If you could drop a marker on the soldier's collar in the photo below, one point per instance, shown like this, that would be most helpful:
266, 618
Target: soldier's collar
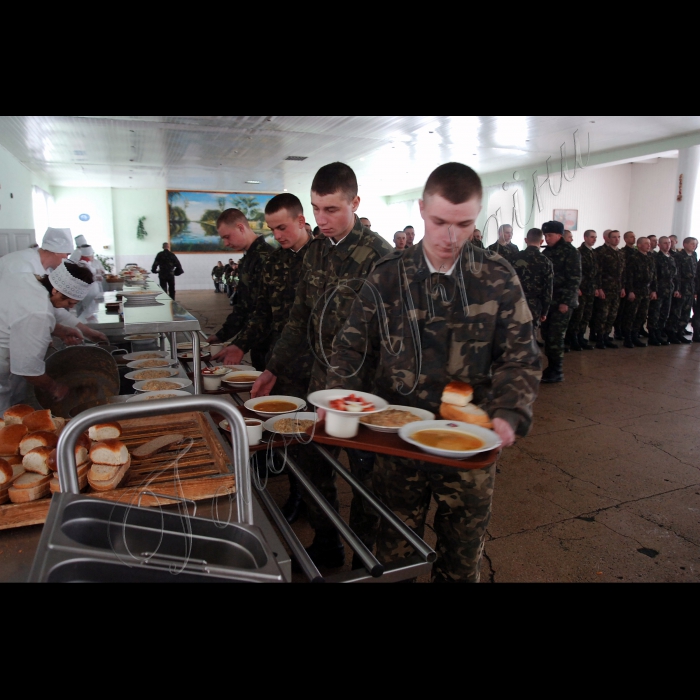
347, 245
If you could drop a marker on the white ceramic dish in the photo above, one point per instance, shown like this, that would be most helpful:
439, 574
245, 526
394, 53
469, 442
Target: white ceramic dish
211, 382
133, 356
134, 378
188, 346
239, 368
174, 384
344, 424
418, 412
147, 394
269, 424
138, 364
490, 439
230, 378
189, 355
250, 404
143, 336
139, 293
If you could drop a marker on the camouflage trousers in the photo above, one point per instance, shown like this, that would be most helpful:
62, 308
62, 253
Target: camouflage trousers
659, 309
605, 312
463, 512
554, 330
680, 313
581, 316
634, 313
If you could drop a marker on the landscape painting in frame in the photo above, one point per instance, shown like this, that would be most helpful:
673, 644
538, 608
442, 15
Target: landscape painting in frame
192, 218
568, 217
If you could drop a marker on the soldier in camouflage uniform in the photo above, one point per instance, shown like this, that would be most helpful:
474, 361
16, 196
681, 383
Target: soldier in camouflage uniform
611, 270
236, 233
640, 288
681, 306
476, 239
666, 289
536, 276
503, 245
589, 289
332, 274
443, 319
567, 278
696, 306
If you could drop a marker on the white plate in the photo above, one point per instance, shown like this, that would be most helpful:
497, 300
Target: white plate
133, 356
324, 397
269, 424
189, 355
239, 368
136, 364
139, 293
418, 412
176, 384
250, 404
145, 395
188, 346
130, 375
491, 440
230, 378
143, 336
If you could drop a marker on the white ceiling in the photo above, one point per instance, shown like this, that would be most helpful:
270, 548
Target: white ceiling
390, 154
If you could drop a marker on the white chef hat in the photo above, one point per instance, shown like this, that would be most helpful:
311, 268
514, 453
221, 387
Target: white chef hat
75, 255
86, 251
57, 240
80, 241
68, 285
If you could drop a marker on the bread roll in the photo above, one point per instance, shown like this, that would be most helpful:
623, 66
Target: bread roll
6, 472
156, 445
15, 414
29, 480
457, 394
10, 437
2, 422
37, 460
12, 459
105, 431
109, 452
39, 420
466, 414
41, 438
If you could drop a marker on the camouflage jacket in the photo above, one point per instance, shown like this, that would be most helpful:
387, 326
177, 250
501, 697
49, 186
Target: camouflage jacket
567, 273
412, 332
331, 277
536, 276
589, 271
247, 291
508, 251
478, 244
666, 275
686, 265
640, 274
611, 268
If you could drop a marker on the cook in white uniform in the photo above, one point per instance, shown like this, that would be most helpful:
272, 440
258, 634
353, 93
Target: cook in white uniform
85, 255
55, 247
27, 321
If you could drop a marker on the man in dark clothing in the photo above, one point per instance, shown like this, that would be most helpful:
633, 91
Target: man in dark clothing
476, 239
611, 272
536, 275
666, 289
236, 233
686, 262
641, 289
217, 274
567, 279
627, 252
587, 293
503, 245
168, 268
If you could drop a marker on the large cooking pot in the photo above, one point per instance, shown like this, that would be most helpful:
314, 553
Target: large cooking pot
76, 410
89, 372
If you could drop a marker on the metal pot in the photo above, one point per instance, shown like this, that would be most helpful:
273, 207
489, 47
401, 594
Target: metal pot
99, 402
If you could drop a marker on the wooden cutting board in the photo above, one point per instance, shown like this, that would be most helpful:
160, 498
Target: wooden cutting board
198, 468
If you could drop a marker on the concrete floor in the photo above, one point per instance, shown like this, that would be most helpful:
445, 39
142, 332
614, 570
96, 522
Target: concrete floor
607, 485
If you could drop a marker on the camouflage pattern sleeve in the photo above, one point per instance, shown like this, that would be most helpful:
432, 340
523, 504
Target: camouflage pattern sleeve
652, 272
547, 286
259, 323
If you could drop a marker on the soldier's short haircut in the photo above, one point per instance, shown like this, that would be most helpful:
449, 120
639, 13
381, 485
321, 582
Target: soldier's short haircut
642, 238
335, 177
612, 230
456, 182
534, 235
287, 201
407, 227
653, 235
503, 227
689, 239
587, 232
232, 217
663, 238
673, 235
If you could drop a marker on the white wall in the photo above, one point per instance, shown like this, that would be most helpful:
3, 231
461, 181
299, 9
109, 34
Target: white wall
652, 197
16, 184
96, 202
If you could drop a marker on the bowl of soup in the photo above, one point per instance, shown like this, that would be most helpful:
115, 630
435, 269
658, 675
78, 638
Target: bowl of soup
241, 378
451, 439
269, 406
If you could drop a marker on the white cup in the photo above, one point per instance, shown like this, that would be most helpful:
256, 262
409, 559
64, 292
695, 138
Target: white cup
254, 428
215, 349
211, 381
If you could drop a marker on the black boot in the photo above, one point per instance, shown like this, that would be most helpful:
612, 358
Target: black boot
295, 506
618, 333
662, 337
683, 339
643, 333
583, 343
654, 338
556, 372
600, 342
609, 343
573, 341
696, 337
637, 342
628, 341
673, 338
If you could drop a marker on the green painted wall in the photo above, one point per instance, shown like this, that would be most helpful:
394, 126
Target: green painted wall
127, 206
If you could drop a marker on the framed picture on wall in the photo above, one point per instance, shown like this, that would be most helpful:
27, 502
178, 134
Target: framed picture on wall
192, 218
568, 217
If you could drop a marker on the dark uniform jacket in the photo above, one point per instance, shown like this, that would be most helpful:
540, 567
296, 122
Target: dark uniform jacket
412, 332
666, 275
166, 264
611, 268
331, 276
508, 251
589, 271
247, 292
641, 274
686, 265
567, 273
536, 275
478, 244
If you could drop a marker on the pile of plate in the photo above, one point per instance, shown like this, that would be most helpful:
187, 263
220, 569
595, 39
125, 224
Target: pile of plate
140, 297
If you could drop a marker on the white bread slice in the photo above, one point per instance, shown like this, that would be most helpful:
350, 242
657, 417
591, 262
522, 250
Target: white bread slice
113, 482
105, 431
30, 494
41, 438
37, 460
110, 452
102, 472
55, 485
466, 414
457, 394
150, 448
29, 480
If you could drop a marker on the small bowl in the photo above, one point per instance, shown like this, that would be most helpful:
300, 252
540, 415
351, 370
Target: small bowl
251, 404
233, 378
212, 382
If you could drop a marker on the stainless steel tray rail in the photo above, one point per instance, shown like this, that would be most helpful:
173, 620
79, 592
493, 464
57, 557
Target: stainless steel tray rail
65, 450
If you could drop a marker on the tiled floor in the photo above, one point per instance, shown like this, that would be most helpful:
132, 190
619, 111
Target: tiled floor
607, 485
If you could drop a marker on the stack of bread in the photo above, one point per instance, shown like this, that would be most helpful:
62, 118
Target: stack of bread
82, 462
456, 398
109, 456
